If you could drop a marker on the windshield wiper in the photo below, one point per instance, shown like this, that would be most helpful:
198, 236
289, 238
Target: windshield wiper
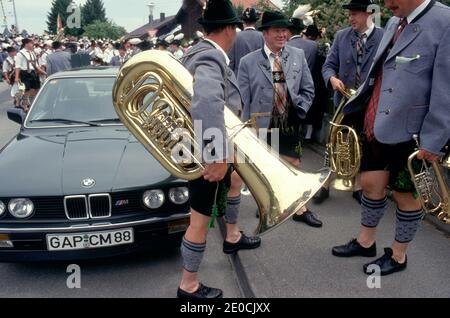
109, 120
62, 120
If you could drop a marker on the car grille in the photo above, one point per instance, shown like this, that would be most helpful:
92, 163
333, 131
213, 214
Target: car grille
95, 206
76, 207
100, 206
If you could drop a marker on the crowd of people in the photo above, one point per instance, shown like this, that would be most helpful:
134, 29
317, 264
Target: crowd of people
28, 62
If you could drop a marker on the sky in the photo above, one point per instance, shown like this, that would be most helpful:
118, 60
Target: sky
131, 14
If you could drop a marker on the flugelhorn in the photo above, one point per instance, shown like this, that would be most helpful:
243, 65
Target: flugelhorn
431, 186
152, 97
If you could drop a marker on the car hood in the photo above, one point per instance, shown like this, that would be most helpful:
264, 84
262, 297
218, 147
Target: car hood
52, 164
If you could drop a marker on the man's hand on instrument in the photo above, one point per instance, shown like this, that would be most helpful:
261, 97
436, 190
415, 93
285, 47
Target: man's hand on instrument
428, 156
215, 172
337, 84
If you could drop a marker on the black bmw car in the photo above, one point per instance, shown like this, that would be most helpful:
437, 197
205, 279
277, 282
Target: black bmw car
75, 184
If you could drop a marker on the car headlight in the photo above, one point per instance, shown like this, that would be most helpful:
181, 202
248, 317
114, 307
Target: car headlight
21, 208
153, 199
2, 208
179, 195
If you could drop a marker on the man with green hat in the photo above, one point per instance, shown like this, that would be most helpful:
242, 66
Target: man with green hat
276, 81
215, 86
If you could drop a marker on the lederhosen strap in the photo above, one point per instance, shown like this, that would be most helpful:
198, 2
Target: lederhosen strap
11, 74
31, 61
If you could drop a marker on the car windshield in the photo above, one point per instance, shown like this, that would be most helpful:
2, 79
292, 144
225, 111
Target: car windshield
74, 101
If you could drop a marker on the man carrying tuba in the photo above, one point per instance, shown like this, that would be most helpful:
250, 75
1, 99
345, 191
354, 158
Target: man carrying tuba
406, 94
215, 86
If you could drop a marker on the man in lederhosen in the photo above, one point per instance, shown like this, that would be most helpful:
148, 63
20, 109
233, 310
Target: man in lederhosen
215, 86
9, 68
406, 95
27, 72
349, 60
276, 80
247, 41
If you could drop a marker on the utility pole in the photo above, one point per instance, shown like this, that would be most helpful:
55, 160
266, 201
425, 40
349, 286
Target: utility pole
5, 21
15, 15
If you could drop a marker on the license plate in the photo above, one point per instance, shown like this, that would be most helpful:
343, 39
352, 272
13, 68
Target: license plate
82, 241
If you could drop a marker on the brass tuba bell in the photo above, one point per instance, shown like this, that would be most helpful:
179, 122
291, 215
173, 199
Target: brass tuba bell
152, 96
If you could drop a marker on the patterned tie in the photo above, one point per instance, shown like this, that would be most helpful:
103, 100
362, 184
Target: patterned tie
279, 85
360, 45
372, 108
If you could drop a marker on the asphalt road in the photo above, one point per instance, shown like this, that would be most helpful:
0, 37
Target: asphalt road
296, 261
153, 275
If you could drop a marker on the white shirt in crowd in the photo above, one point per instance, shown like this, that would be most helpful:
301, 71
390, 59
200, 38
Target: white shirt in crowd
25, 60
8, 65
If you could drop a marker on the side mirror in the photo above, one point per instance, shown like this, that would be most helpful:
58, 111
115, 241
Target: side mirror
17, 115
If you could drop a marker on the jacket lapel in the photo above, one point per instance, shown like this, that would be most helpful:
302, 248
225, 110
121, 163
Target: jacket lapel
408, 35
353, 40
264, 65
386, 40
285, 62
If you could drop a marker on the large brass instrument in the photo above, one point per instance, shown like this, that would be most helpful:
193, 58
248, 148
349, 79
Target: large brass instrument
343, 149
152, 96
431, 187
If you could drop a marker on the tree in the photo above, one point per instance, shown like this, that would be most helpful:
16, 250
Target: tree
104, 30
59, 7
93, 10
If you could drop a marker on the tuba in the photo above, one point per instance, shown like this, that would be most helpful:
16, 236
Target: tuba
431, 186
343, 154
152, 96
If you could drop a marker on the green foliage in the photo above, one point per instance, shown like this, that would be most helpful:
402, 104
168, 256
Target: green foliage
104, 30
93, 10
332, 16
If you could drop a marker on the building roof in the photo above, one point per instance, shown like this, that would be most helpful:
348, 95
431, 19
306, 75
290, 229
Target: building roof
253, 3
156, 25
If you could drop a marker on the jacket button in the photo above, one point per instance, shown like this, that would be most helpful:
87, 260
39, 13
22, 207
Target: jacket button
348, 61
387, 112
390, 90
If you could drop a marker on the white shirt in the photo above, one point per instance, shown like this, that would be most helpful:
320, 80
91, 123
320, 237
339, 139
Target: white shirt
22, 59
269, 53
217, 46
250, 28
369, 32
417, 11
7, 68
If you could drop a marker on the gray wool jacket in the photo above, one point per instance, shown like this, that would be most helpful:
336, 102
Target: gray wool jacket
215, 87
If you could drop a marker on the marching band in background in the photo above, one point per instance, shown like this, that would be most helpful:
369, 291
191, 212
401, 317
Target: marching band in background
400, 75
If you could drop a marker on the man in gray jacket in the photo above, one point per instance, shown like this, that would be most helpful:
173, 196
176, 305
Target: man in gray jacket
59, 60
406, 94
247, 41
215, 86
276, 81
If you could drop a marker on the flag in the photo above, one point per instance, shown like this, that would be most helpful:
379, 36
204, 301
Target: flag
59, 24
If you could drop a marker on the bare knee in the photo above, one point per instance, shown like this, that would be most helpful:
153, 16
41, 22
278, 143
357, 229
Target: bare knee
406, 201
374, 184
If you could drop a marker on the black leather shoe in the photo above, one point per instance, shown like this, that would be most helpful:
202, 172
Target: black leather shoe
203, 292
245, 243
387, 264
357, 195
353, 248
308, 218
321, 196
